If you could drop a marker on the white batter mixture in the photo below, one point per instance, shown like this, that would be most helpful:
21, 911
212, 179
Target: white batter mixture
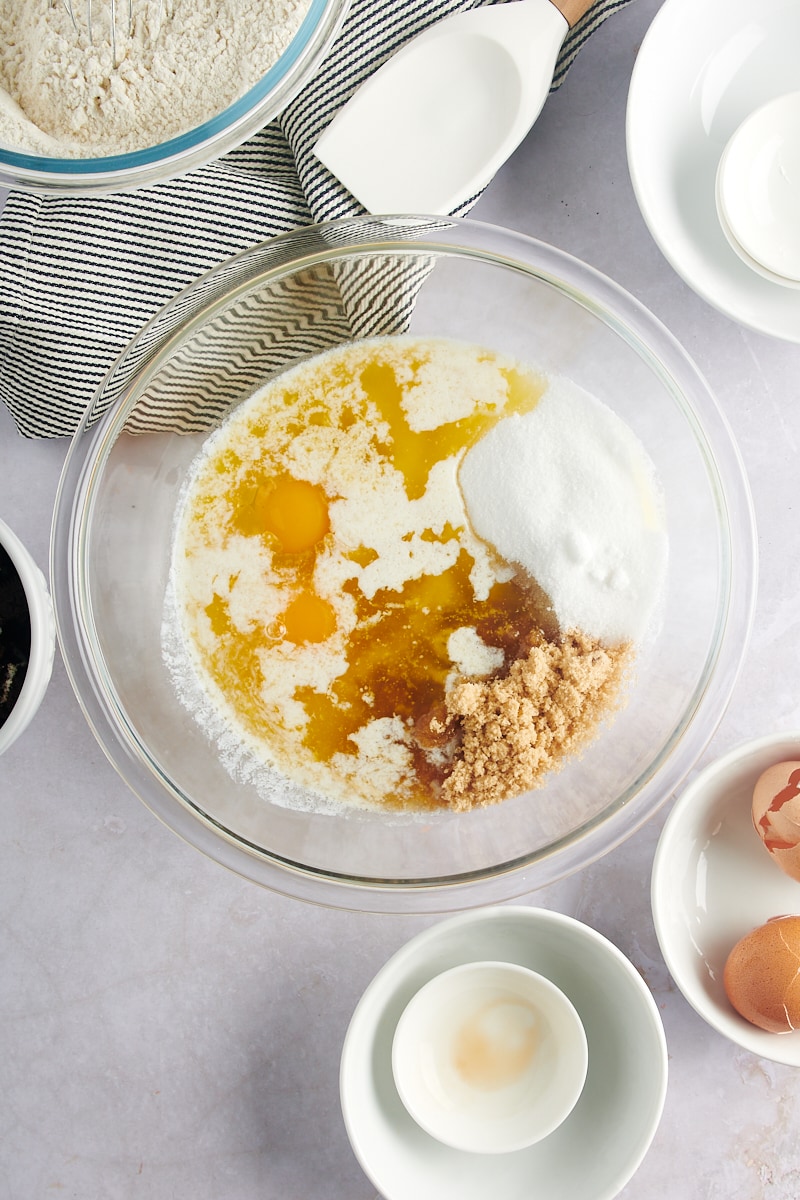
328, 587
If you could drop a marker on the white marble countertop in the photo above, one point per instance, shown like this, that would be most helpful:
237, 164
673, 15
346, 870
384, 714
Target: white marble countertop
168, 1030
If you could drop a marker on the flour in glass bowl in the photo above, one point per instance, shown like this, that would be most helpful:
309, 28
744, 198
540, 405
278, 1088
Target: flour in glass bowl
61, 94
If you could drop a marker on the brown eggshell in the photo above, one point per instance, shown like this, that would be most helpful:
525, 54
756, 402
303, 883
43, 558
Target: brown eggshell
776, 814
762, 975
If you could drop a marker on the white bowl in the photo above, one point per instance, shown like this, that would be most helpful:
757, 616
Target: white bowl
701, 70
747, 259
489, 1057
593, 1153
758, 190
713, 882
42, 638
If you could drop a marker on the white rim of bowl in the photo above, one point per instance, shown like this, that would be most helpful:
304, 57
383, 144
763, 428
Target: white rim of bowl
43, 639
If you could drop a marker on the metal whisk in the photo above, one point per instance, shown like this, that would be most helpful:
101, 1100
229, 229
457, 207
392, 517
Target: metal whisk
73, 7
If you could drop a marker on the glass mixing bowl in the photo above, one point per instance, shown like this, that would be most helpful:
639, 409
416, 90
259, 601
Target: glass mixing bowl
270, 308
228, 129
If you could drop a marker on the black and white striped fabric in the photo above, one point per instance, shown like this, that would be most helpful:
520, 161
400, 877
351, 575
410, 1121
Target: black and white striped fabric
81, 276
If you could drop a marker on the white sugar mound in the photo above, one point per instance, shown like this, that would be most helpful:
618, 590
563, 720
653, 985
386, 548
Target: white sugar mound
568, 492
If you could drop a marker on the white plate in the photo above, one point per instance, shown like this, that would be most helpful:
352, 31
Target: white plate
701, 69
594, 1153
713, 882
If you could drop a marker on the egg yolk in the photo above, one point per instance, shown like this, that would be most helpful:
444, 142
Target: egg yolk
308, 618
292, 510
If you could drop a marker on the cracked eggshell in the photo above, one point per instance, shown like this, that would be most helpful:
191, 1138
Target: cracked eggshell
762, 975
776, 814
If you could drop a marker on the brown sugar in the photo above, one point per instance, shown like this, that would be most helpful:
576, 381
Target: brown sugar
515, 729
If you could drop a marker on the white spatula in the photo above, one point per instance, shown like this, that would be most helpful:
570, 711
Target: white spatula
432, 126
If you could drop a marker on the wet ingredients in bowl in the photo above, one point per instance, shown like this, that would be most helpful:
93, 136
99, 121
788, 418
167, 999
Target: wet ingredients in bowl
412, 574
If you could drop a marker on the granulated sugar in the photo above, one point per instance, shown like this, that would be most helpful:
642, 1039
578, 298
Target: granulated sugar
578, 507
62, 94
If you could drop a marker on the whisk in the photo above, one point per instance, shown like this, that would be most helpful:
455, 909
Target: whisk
74, 8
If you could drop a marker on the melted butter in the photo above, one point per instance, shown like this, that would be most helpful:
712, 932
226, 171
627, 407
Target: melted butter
414, 452
496, 1046
396, 655
398, 659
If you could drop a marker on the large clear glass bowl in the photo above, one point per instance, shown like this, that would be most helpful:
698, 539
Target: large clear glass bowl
268, 309
222, 133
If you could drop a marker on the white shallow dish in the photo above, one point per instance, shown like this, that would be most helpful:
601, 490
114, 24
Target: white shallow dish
599, 1146
713, 881
701, 70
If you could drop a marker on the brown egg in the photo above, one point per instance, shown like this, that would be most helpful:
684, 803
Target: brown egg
776, 814
762, 975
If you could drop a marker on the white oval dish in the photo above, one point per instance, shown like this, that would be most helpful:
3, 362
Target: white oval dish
700, 72
43, 638
596, 1150
489, 1057
758, 189
713, 881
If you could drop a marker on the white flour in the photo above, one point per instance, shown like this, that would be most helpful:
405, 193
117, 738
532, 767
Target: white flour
61, 93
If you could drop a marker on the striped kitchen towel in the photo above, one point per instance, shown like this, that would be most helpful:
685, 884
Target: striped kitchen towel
82, 275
